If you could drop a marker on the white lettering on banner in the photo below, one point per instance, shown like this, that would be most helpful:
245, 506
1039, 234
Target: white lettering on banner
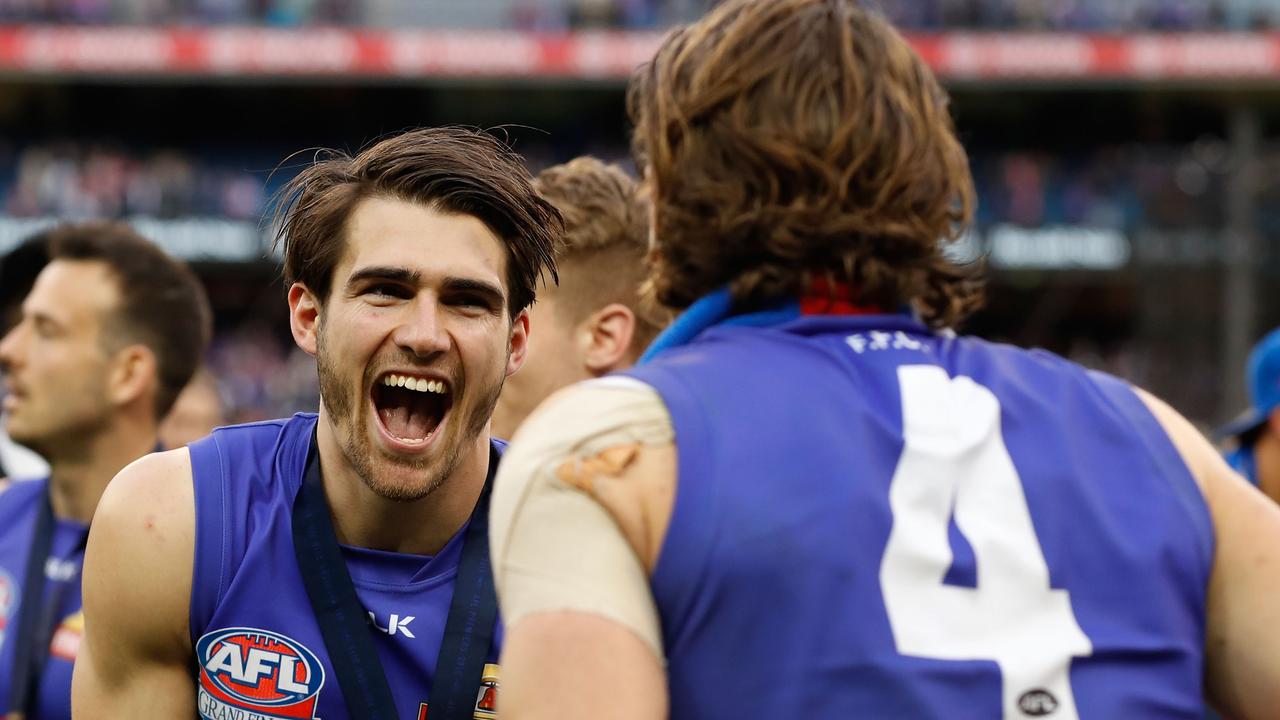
1059, 247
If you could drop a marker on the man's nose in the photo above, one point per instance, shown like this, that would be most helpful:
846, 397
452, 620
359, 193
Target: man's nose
423, 332
10, 346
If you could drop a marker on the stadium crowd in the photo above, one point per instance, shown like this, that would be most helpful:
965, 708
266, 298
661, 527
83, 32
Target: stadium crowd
1126, 187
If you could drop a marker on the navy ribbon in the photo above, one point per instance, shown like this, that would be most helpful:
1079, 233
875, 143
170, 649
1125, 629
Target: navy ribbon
347, 628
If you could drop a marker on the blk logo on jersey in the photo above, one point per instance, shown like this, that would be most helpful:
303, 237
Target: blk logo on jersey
396, 624
251, 674
8, 601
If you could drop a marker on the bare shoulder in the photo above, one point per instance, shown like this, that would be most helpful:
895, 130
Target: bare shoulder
141, 548
1204, 462
1242, 669
135, 656
153, 495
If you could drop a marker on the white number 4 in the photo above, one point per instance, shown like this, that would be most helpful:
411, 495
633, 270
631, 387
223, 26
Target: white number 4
955, 457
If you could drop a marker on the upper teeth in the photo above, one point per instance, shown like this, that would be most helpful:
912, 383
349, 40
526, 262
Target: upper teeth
412, 383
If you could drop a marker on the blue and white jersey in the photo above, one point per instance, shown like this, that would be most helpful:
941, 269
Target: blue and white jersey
20, 506
873, 520
258, 645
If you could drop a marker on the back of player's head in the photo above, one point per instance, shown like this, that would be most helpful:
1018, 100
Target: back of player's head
453, 170
606, 234
18, 271
795, 139
162, 304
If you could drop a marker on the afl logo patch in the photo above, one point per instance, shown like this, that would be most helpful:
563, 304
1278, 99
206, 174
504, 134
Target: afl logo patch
8, 601
259, 671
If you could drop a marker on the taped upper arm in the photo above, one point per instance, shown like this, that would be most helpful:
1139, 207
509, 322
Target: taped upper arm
581, 505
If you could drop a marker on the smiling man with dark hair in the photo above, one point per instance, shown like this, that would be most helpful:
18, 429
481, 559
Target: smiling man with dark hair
335, 565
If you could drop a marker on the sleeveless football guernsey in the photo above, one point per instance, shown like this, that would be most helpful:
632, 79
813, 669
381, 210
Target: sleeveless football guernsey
63, 625
257, 643
874, 520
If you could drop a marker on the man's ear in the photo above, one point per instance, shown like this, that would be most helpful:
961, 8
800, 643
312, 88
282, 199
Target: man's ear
133, 373
518, 343
1273, 422
608, 334
304, 317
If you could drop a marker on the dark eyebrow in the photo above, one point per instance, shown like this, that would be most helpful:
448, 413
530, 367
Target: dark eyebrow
480, 287
384, 272
414, 278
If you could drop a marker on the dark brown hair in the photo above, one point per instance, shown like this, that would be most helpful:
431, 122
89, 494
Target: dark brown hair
162, 304
796, 140
606, 233
454, 170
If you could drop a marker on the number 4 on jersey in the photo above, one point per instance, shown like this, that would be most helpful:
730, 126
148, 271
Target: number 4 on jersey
954, 457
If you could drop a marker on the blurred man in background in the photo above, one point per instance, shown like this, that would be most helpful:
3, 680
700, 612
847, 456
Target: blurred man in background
594, 321
811, 498
111, 331
1256, 433
18, 272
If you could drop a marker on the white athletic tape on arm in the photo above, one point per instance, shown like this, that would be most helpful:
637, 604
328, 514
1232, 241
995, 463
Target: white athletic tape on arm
556, 547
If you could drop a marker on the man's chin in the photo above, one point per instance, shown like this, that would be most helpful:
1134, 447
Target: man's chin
401, 489
21, 435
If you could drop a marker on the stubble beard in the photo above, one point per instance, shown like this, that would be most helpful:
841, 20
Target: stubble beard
357, 449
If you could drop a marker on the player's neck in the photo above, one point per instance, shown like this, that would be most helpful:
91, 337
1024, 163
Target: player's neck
362, 518
79, 473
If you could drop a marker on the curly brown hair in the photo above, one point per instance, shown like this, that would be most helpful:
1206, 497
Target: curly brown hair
787, 141
606, 234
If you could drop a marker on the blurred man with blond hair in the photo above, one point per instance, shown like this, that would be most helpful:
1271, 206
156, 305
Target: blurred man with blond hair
594, 321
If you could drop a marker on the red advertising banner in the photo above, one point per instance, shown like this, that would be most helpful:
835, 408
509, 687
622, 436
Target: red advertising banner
329, 52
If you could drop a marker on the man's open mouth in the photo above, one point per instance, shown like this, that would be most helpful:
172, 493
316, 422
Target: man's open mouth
410, 407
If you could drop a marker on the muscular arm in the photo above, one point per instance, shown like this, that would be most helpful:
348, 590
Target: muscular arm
581, 505
1242, 641
135, 659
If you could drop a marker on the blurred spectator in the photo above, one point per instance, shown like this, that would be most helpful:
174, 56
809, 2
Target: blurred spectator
77, 180
261, 375
1256, 433
1124, 187
197, 411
